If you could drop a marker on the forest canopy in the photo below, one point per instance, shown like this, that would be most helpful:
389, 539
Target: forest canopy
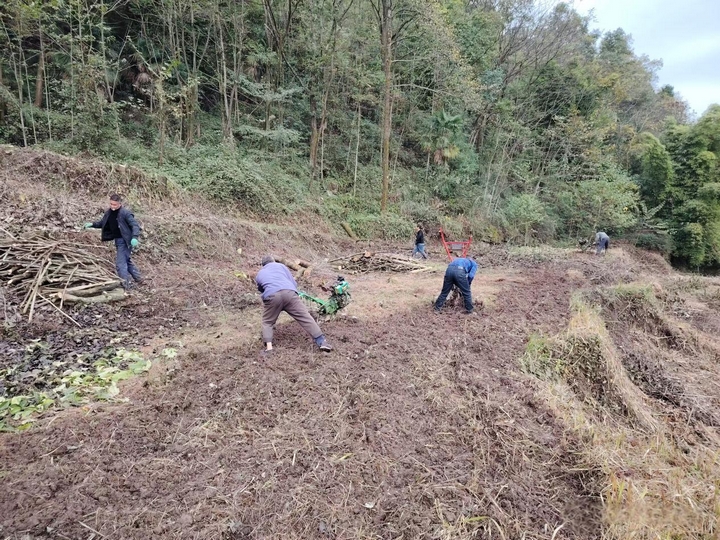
512, 121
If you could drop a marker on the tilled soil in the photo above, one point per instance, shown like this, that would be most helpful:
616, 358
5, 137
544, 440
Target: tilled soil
416, 426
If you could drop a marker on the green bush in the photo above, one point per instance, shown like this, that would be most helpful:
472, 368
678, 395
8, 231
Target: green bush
454, 228
592, 205
385, 226
689, 244
421, 213
527, 219
482, 230
337, 208
661, 243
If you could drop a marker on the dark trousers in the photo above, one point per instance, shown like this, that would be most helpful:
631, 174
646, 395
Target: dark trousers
602, 246
123, 263
289, 302
455, 275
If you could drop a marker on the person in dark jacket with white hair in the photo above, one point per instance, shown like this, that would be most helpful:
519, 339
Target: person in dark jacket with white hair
602, 243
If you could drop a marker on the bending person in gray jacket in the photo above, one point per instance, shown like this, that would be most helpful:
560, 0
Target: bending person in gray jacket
118, 225
602, 243
279, 293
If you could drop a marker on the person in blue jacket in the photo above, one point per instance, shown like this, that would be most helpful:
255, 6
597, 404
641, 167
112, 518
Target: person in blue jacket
460, 273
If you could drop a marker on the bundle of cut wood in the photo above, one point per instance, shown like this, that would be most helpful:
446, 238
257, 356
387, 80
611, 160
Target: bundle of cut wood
302, 268
369, 261
40, 269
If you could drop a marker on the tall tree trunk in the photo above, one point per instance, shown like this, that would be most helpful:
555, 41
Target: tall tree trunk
357, 152
3, 105
386, 43
31, 111
223, 84
39, 78
18, 80
314, 139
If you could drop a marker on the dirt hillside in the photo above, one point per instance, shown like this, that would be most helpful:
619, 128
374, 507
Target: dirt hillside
581, 402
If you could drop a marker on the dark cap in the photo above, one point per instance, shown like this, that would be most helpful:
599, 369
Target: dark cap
267, 259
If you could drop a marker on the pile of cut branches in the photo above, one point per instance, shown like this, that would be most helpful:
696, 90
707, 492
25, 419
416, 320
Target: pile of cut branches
369, 261
39, 269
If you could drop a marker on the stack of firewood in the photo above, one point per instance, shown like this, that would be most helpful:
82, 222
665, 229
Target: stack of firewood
302, 269
54, 272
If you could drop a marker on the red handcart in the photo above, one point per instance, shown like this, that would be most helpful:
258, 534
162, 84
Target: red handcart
453, 246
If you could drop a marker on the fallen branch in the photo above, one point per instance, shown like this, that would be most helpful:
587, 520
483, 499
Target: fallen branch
92, 290
62, 312
348, 230
109, 296
290, 264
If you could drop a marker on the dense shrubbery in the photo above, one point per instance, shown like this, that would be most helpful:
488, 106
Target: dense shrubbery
661, 243
275, 120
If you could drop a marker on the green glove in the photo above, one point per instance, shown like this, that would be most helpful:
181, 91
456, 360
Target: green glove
88, 226
134, 243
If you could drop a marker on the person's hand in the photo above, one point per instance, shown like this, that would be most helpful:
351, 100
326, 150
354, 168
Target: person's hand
134, 243
87, 225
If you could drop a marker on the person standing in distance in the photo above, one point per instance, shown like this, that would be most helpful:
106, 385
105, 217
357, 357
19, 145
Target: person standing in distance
419, 242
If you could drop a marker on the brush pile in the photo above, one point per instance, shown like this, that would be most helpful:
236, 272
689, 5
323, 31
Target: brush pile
368, 261
44, 270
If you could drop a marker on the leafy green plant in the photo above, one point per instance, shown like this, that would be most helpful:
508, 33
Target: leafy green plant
387, 226
526, 216
73, 387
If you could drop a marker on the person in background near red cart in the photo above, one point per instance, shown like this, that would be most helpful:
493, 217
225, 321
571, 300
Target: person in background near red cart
419, 241
602, 243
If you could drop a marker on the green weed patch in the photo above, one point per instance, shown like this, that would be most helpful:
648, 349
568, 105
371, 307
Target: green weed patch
72, 381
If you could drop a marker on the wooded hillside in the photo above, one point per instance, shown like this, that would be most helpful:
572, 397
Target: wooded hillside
507, 120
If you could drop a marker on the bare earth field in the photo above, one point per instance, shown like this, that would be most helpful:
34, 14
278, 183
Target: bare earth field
418, 425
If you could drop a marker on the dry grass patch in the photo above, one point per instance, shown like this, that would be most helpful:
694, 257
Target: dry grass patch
661, 470
585, 358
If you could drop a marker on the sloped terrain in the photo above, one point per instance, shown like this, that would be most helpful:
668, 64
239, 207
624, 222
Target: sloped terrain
580, 403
